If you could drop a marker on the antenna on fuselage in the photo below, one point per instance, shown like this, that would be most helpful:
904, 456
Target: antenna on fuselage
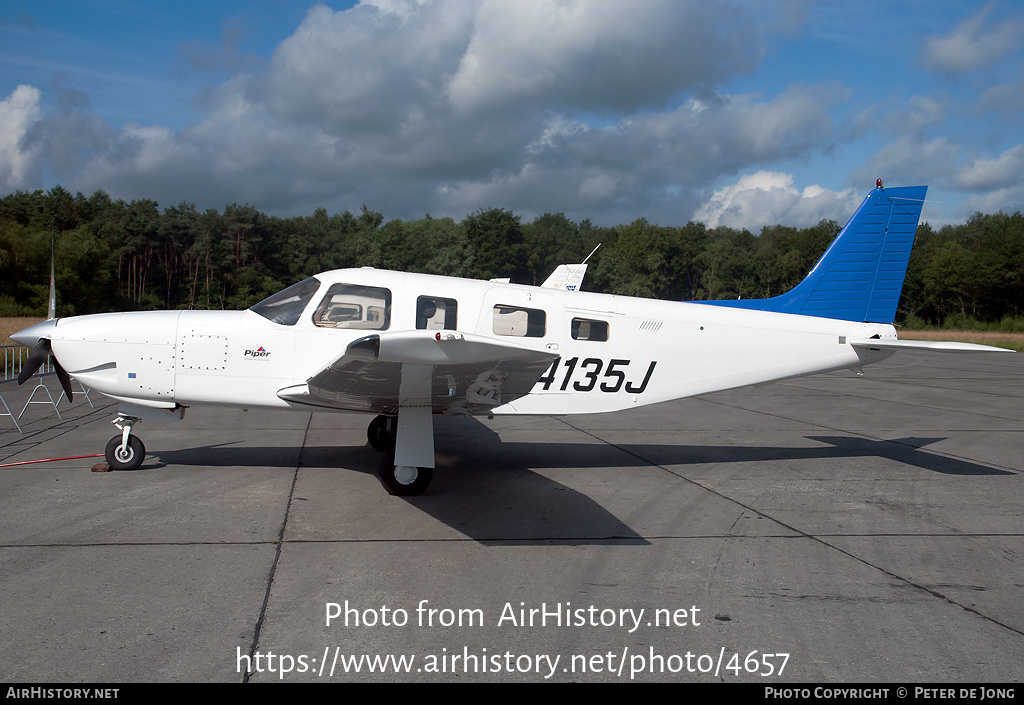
51, 308
584, 262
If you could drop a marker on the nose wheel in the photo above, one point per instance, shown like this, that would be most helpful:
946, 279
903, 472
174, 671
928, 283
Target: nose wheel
125, 451
125, 457
403, 480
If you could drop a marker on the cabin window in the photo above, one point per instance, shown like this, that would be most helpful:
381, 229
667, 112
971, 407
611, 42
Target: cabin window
354, 306
436, 313
587, 329
519, 322
286, 306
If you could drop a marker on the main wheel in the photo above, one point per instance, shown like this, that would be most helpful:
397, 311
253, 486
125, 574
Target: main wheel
403, 480
127, 458
380, 437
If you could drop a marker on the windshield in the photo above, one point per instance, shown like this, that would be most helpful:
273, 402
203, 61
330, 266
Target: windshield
285, 307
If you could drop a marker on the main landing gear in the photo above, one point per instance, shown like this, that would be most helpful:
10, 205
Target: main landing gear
403, 480
399, 480
125, 451
382, 433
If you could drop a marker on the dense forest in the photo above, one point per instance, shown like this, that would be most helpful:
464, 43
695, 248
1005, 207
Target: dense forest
112, 255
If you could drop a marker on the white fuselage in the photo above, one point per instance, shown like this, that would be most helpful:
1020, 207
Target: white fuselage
614, 352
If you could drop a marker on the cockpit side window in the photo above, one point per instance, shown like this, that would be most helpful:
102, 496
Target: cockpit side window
436, 313
354, 306
286, 306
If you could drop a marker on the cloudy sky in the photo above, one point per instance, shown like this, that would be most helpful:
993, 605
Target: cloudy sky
736, 113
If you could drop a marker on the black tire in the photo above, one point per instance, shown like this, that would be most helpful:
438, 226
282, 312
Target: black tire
387, 474
379, 436
134, 454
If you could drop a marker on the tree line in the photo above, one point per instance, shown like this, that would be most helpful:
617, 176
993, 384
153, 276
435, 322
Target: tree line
113, 255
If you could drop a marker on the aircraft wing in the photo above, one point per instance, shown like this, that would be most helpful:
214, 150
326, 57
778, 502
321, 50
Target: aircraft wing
926, 345
446, 370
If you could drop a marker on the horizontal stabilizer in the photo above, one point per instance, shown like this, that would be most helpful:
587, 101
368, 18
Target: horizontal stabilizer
926, 345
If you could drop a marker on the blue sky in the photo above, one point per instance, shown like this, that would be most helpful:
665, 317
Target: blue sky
744, 114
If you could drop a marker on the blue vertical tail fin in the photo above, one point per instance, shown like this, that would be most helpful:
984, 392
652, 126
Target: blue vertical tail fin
860, 276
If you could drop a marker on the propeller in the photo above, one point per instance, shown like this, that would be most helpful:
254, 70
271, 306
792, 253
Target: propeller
35, 360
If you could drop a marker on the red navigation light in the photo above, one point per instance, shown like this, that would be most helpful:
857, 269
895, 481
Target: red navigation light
437, 336
878, 183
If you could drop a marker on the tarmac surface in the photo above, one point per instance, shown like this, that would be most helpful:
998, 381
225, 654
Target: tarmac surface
825, 529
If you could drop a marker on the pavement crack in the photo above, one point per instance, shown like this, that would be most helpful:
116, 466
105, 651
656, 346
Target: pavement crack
277, 553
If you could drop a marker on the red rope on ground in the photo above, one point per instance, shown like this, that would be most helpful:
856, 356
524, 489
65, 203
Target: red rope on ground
51, 460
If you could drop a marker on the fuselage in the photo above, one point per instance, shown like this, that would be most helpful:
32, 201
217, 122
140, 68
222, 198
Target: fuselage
613, 352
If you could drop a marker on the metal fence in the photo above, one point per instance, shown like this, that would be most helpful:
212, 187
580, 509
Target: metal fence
14, 357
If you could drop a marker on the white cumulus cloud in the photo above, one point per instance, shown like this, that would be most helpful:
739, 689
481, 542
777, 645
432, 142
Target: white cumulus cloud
974, 43
593, 55
1004, 171
769, 198
19, 112
593, 108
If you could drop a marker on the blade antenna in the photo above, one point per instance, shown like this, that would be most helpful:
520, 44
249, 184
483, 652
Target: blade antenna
573, 273
51, 310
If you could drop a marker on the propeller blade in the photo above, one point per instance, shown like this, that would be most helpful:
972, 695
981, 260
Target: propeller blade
35, 360
64, 377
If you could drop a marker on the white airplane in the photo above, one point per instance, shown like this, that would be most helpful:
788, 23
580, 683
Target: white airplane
407, 346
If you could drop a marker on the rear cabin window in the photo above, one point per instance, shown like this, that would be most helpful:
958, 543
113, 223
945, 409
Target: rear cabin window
436, 313
354, 306
587, 329
519, 322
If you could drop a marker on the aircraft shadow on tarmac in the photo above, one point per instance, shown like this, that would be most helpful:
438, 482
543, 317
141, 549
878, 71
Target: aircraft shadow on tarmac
488, 495
901, 450
479, 489
462, 459
491, 490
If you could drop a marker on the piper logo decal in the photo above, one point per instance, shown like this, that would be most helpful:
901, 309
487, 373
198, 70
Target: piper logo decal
253, 354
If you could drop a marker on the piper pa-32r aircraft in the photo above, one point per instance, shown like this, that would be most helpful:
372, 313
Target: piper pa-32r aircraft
408, 346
